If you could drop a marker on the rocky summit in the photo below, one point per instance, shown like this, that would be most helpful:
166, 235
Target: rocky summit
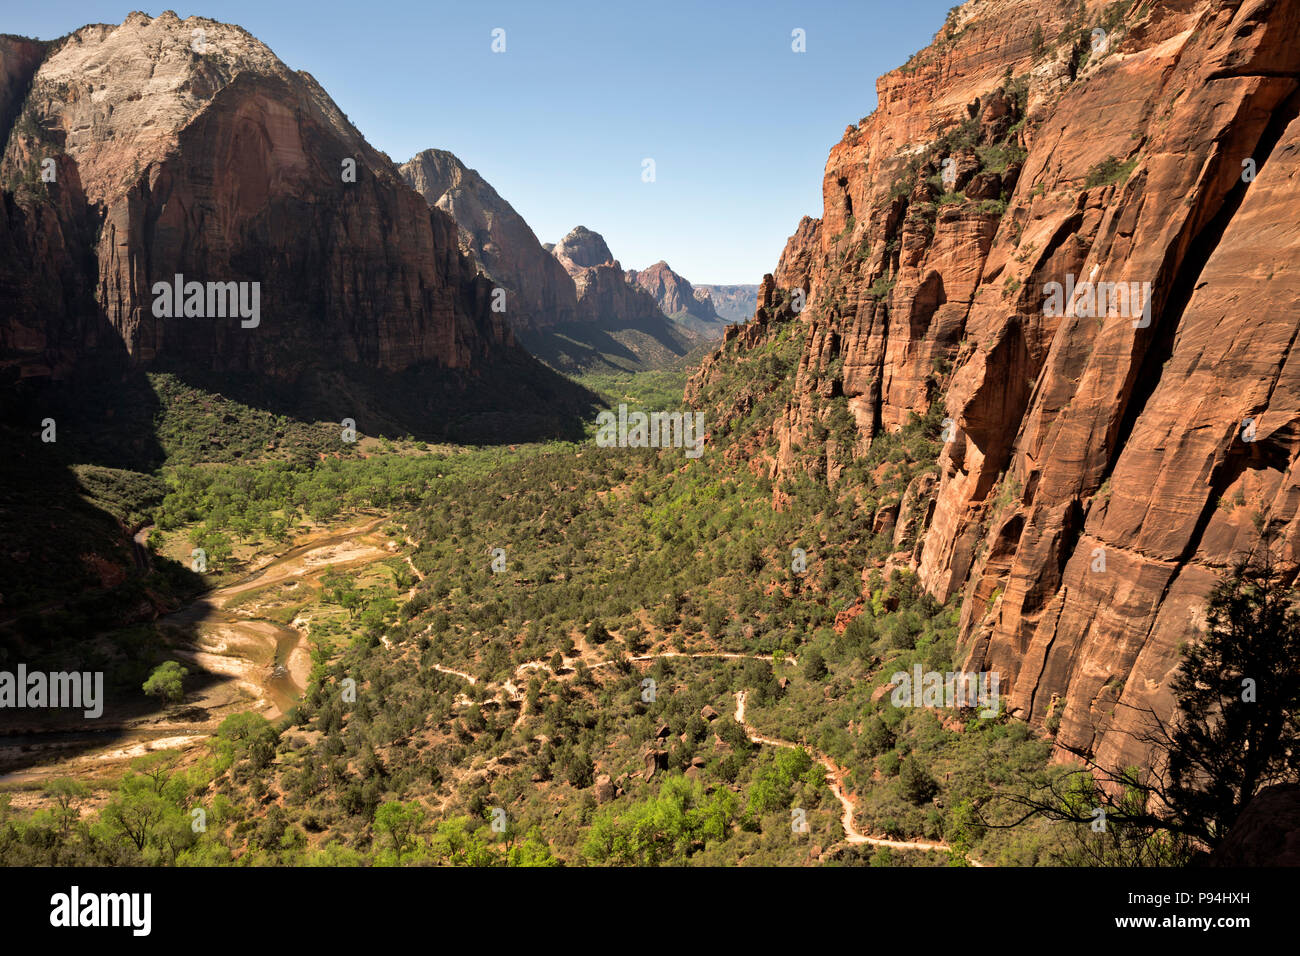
675, 296
185, 147
540, 293
606, 293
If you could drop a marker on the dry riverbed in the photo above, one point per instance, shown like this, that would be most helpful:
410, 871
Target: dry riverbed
242, 654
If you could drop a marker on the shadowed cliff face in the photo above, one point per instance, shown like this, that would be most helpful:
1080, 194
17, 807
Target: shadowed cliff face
186, 148
204, 155
1098, 480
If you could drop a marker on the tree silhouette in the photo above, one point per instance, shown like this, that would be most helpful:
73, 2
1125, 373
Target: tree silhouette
1235, 730
1238, 698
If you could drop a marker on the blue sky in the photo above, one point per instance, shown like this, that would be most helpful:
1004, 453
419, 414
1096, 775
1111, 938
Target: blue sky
738, 125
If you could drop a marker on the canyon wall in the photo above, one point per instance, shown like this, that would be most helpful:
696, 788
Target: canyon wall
540, 294
676, 297
186, 147
607, 295
1100, 473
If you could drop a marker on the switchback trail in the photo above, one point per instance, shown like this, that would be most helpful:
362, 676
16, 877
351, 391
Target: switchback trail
835, 778
836, 782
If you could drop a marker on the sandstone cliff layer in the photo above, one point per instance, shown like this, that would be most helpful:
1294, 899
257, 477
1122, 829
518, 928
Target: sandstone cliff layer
675, 296
1105, 464
607, 295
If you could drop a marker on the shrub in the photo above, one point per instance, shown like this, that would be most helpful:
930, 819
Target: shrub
1109, 170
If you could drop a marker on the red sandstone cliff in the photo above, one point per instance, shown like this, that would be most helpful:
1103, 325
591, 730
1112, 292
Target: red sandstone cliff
188, 147
676, 297
1014, 151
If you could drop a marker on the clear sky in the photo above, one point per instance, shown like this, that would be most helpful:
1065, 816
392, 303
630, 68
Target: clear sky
738, 125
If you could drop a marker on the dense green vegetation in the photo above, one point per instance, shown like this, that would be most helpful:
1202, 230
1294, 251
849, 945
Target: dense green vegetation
505, 697
654, 390
608, 554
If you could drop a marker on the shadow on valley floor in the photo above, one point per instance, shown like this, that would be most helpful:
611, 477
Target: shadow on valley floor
512, 400
62, 639
241, 649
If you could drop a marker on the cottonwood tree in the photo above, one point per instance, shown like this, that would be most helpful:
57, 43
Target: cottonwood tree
67, 792
167, 682
401, 822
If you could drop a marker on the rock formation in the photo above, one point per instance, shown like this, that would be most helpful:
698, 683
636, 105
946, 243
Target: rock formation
1105, 464
732, 303
1267, 833
582, 249
606, 294
540, 293
676, 297
185, 147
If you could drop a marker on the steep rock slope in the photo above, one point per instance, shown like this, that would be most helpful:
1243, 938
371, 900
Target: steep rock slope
197, 152
19, 59
619, 324
606, 294
1097, 478
677, 298
540, 293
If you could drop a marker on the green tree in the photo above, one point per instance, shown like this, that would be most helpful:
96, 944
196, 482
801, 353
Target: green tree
814, 665
66, 793
135, 811
167, 682
917, 784
596, 633
249, 735
401, 822
1238, 701
157, 767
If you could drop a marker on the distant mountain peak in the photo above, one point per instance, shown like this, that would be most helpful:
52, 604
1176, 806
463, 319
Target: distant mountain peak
675, 295
497, 238
584, 248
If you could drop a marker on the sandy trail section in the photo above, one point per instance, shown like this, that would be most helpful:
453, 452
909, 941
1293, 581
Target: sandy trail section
835, 780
